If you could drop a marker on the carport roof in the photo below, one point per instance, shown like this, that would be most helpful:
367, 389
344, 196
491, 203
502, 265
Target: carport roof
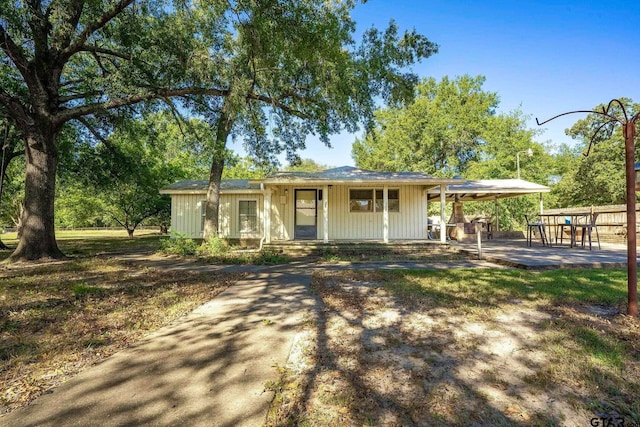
488, 189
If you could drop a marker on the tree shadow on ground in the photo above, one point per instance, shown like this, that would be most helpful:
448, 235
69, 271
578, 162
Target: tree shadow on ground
208, 368
379, 360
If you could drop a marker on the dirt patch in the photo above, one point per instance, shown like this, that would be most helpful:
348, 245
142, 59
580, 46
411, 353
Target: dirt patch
59, 319
370, 358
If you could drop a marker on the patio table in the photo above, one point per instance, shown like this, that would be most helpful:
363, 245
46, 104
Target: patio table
561, 220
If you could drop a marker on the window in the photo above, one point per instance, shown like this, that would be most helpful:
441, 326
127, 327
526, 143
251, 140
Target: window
248, 216
373, 200
361, 200
203, 213
394, 200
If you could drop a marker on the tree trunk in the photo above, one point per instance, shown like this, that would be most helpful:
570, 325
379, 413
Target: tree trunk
130, 232
211, 223
38, 240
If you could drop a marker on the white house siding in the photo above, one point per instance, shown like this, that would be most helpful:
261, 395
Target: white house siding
409, 223
186, 214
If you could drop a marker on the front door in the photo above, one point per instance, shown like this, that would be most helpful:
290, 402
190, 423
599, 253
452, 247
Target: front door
306, 218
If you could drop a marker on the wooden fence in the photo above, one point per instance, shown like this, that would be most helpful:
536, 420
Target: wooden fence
611, 222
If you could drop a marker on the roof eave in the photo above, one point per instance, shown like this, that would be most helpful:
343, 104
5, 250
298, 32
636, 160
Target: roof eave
204, 191
425, 181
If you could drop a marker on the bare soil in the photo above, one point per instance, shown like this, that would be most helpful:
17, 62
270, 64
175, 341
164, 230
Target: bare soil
369, 358
58, 319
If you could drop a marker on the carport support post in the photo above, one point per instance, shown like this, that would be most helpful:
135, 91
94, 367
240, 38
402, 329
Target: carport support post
385, 213
325, 214
541, 205
443, 222
479, 239
267, 215
629, 130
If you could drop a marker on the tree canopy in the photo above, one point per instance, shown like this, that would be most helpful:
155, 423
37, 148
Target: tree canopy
453, 128
273, 71
438, 133
593, 172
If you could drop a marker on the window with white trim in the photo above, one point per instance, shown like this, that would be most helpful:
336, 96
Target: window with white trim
370, 200
203, 213
248, 216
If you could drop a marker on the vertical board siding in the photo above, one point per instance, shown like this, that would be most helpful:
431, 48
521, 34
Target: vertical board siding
408, 224
186, 215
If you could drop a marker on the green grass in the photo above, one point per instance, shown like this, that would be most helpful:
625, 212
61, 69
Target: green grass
489, 287
80, 243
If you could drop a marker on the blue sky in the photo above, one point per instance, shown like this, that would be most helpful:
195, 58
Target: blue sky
543, 57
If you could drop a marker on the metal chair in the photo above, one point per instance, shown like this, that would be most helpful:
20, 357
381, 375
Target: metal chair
532, 227
587, 227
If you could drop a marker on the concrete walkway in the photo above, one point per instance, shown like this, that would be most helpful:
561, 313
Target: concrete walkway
207, 369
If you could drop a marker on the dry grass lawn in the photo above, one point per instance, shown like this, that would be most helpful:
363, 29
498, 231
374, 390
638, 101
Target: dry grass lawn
58, 319
474, 347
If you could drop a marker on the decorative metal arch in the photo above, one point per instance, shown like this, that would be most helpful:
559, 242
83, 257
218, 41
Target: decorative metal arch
629, 133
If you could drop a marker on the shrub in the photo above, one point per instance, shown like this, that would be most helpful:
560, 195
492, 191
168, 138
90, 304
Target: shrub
269, 257
179, 245
215, 246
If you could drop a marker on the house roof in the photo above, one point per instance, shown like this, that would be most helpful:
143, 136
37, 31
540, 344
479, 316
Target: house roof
350, 174
488, 189
464, 190
200, 186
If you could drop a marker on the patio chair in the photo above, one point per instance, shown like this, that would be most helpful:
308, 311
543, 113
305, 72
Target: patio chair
533, 227
587, 227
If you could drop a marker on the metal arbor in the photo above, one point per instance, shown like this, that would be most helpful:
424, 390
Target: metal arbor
629, 133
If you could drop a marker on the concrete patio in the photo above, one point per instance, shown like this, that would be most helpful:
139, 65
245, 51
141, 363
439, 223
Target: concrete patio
516, 253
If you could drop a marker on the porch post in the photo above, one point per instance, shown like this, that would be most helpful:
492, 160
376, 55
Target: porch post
541, 205
497, 215
267, 215
443, 221
425, 195
325, 214
385, 215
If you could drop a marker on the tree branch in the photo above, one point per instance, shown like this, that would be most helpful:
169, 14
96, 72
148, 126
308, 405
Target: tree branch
278, 104
99, 50
15, 53
93, 131
74, 9
15, 154
74, 113
15, 109
95, 26
67, 98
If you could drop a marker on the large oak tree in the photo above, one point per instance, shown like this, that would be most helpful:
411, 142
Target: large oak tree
272, 70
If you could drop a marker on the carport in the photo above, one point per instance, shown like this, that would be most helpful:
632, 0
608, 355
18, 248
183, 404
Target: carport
485, 190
